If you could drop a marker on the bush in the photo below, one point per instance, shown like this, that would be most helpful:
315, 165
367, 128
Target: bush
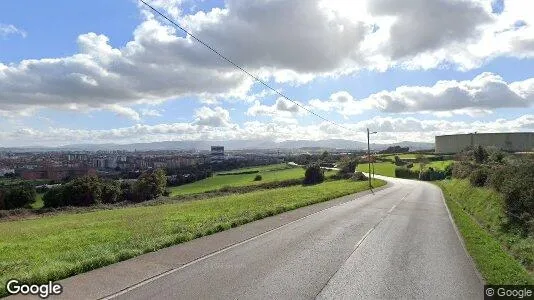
149, 185
518, 192
83, 191
401, 172
398, 161
448, 171
258, 178
480, 154
462, 169
16, 196
111, 192
495, 155
478, 177
54, 197
359, 176
430, 174
497, 175
313, 175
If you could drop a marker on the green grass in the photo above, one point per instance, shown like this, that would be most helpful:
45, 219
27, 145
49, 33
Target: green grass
38, 201
268, 173
502, 257
55, 247
260, 168
406, 155
381, 168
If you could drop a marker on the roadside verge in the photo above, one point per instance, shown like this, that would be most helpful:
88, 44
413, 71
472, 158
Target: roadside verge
107, 280
494, 263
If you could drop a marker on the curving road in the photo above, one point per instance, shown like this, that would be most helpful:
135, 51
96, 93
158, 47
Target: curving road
396, 243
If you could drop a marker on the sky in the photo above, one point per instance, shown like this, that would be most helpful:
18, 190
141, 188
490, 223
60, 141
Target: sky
102, 71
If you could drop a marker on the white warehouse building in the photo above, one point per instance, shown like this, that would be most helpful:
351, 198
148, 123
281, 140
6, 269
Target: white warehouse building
511, 141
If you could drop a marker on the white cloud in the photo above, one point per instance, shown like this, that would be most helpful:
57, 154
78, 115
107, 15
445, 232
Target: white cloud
481, 95
124, 111
145, 112
10, 29
282, 108
212, 117
389, 129
293, 41
147, 70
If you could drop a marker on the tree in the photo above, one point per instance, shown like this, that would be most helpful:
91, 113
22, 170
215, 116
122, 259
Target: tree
150, 185
16, 196
82, 191
313, 175
347, 167
111, 191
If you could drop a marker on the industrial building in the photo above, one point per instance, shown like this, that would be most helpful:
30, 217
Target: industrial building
512, 141
217, 154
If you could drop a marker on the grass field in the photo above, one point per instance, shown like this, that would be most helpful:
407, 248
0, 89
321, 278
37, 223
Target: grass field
381, 168
38, 201
268, 173
54, 247
502, 257
405, 155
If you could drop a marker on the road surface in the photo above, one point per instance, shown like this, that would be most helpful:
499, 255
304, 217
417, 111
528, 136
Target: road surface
396, 243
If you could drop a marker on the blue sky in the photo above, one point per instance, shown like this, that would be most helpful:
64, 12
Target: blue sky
110, 71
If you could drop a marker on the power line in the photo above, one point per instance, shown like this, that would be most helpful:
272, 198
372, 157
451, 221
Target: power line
240, 68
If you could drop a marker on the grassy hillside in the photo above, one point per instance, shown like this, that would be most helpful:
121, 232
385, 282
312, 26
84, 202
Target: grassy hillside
268, 173
55, 247
502, 257
381, 168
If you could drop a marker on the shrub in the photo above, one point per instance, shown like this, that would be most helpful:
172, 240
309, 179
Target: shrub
518, 192
313, 175
398, 161
462, 169
430, 174
497, 175
401, 172
495, 155
149, 185
448, 171
111, 192
478, 177
258, 178
54, 197
16, 196
480, 154
83, 191
359, 176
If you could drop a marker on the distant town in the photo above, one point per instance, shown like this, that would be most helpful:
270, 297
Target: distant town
57, 166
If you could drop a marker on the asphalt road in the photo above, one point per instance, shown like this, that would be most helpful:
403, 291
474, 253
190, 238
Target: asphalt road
396, 243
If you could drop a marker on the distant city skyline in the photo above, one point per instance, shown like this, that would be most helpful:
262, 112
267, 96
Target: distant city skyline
121, 75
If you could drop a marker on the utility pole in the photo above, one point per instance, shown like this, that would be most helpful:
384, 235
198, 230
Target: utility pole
369, 158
